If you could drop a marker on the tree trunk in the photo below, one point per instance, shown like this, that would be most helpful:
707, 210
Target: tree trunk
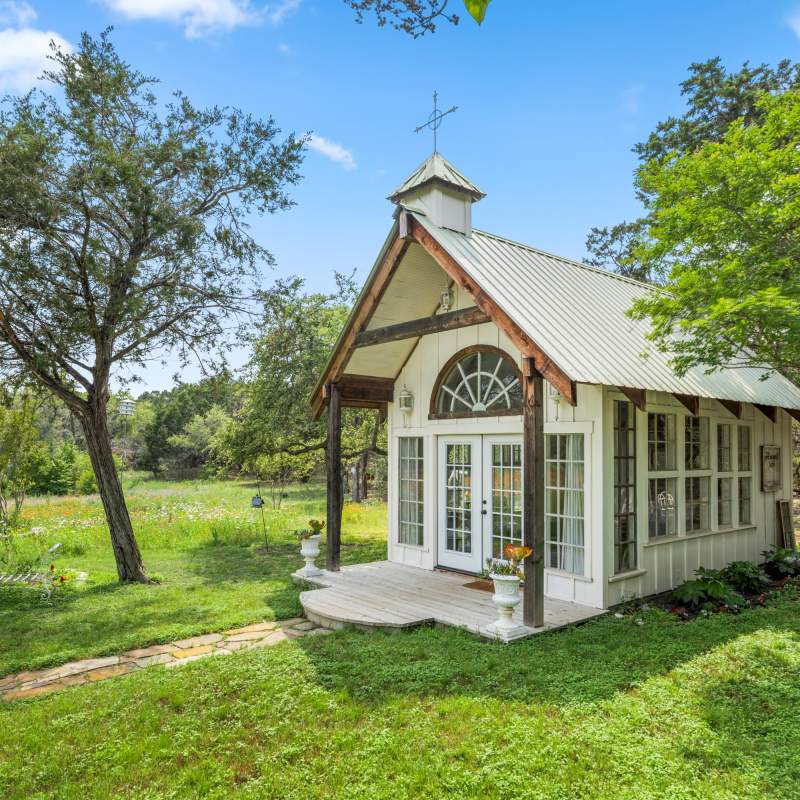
358, 482
98, 442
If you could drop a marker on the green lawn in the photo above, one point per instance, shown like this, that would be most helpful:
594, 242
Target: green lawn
201, 539
706, 709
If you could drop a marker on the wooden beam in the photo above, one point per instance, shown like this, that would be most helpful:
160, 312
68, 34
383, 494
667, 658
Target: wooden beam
366, 387
533, 493
438, 323
734, 406
637, 396
370, 297
691, 401
334, 479
770, 412
793, 413
543, 363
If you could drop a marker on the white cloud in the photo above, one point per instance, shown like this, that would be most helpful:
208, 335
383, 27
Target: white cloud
16, 15
277, 12
793, 21
335, 152
284, 48
203, 17
630, 97
23, 57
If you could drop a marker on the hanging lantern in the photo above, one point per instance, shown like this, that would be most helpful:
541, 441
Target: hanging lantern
405, 400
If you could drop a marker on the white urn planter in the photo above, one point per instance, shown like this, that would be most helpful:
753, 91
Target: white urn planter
506, 597
309, 549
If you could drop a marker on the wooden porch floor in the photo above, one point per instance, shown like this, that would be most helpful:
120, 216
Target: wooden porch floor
392, 596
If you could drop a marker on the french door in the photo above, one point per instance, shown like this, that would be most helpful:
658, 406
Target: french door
480, 499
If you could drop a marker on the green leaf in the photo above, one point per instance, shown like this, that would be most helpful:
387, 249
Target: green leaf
477, 9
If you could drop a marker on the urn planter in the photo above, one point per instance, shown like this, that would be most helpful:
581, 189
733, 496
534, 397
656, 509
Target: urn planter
309, 549
506, 597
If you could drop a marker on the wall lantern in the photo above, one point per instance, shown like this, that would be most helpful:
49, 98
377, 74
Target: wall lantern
446, 301
405, 400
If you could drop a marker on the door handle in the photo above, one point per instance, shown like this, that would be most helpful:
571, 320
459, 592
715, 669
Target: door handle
484, 512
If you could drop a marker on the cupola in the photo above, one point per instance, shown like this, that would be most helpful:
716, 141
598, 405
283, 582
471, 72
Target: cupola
441, 192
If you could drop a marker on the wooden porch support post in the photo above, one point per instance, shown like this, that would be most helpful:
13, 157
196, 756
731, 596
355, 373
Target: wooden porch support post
533, 494
335, 489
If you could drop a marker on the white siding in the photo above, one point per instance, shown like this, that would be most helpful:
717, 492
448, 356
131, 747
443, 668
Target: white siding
664, 563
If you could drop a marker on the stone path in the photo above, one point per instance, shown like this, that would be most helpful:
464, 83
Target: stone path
262, 634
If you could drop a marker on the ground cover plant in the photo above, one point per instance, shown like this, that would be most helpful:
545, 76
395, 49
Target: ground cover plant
203, 541
611, 709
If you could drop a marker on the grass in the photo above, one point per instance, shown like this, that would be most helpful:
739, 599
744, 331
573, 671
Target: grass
615, 710
204, 543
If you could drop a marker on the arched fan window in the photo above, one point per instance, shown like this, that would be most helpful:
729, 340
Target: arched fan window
479, 381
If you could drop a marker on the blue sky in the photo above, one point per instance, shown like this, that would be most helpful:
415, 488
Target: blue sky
551, 98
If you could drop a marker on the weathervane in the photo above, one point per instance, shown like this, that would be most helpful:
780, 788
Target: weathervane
435, 119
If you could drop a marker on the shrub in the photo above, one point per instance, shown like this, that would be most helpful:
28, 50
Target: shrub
744, 576
781, 562
708, 588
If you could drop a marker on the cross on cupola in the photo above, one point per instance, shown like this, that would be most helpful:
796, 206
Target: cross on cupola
435, 120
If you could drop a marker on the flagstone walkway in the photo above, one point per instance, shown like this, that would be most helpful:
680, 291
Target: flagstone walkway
262, 634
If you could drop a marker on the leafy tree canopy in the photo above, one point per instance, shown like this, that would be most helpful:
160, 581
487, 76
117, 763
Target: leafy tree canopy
726, 214
416, 17
715, 98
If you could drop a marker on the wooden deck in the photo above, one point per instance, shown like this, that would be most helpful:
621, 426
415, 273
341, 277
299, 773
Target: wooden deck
392, 596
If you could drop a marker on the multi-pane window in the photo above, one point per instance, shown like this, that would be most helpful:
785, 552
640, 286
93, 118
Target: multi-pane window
411, 483
506, 497
744, 457
624, 486
745, 500
660, 442
458, 498
662, 510
564, 502
724, 460
697, 504
724, 501
696, 443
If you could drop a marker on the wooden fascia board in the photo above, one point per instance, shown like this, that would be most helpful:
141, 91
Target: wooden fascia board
770, 412
544, 364
437, 323
734, 406
690, 402
371, 294
637, 396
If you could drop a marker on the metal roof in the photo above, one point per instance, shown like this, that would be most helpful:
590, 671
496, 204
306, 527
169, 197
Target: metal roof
436, 168
577, 315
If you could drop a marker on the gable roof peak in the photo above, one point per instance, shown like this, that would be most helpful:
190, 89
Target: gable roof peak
437, 169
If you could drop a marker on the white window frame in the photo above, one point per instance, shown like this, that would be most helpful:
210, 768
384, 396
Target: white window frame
419, 523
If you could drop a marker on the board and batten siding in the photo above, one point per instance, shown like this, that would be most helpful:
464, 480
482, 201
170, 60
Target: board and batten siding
419, 376
666, 562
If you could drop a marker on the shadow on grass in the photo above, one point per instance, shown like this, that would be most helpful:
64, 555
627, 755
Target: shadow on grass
584, 664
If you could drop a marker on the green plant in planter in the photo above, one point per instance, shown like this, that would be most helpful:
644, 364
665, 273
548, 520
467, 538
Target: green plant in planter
744, 576
510, 563
781, 562
315, 527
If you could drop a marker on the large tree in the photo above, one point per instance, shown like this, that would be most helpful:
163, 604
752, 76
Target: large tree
727, 217
715, 99
123, 232
290, 349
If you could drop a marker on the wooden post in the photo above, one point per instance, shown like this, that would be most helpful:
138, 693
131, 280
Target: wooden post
533, 494
335, 489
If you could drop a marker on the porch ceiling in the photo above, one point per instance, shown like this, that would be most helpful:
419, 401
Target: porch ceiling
413, 292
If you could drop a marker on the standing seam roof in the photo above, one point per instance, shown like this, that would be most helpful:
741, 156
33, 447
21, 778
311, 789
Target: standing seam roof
577, 315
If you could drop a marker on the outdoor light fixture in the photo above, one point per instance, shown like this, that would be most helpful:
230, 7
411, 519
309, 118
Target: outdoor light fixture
446, 301
405, 400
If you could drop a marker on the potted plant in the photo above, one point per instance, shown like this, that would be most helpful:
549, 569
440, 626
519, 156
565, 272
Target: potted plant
309, 547
506, 575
